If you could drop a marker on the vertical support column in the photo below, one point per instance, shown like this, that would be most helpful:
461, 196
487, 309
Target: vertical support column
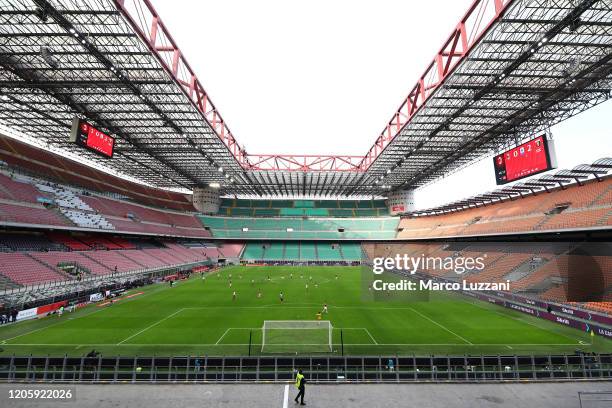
28, 367
64, 367
81, 369
46, 368
134, 365
116, 373
99, 370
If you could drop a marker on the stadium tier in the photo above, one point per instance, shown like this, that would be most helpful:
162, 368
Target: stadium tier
301, 228
306, 208
69, 172
27, 200
574, 207
302, 251
28, 258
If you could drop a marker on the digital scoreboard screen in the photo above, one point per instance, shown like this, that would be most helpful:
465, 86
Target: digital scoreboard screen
85, 135
533, 157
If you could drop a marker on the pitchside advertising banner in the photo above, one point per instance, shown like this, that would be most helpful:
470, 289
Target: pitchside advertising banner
556, 281
39, 311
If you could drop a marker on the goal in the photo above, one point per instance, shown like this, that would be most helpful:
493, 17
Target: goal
296, 336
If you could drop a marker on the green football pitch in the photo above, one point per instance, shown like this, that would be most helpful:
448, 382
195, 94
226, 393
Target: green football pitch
200, 317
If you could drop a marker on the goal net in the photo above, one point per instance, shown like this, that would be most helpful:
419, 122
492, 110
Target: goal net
296, 336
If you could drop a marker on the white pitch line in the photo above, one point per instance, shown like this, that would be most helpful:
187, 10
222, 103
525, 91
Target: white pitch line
370, 334
286, 396
223, 335
52, 325
148, 327
440, 325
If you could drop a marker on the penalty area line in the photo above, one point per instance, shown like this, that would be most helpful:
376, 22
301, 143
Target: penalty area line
222, 336
149, 327
441, 325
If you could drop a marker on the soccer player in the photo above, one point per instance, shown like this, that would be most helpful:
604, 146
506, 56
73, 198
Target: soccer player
282, 297
259, 294
252, 282
325, 308
306, 286
230, 284
291, 276
233, 295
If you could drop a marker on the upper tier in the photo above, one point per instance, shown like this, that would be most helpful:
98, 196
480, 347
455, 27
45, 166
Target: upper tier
298, 208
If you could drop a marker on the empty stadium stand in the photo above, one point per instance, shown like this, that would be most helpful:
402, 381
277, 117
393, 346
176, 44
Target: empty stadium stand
30, 200
301, 228
575, 207
302, 251
31, 258
306, 208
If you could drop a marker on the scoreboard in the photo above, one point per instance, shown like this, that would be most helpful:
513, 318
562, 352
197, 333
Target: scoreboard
533, 157
87, 136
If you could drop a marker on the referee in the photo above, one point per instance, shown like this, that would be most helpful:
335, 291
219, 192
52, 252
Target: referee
300, 383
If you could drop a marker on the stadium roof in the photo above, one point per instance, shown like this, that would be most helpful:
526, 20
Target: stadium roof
509, 69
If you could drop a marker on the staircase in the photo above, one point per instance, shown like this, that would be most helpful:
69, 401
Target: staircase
524, 269
341, 253
604, 220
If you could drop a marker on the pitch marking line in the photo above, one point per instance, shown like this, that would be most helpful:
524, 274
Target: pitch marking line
440, 325
370, 334
223, 335
92, 311
286, 396
148, 327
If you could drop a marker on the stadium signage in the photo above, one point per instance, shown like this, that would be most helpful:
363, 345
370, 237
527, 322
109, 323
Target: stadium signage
411, 264
27, 314
533, 157
86, 135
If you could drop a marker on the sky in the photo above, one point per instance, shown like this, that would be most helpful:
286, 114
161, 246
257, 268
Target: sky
324, 77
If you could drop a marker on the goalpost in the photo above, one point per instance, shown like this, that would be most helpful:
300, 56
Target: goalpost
296, 336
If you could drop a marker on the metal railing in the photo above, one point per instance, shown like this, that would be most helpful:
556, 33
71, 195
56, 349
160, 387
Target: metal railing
365, 369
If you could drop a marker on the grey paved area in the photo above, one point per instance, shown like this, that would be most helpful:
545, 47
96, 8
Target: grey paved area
542, 395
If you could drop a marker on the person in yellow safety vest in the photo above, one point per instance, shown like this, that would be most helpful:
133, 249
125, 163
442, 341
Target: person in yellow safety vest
300, 383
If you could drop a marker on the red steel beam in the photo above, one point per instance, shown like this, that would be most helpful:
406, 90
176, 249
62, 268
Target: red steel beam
287, 162
479, 18
143, 18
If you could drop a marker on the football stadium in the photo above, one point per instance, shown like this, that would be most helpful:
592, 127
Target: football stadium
147, 258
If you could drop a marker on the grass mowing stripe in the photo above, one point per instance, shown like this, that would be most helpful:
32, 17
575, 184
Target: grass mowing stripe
441, 325
148, 327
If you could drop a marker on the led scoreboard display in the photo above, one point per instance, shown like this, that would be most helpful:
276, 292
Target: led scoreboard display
84, 134
533, 157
